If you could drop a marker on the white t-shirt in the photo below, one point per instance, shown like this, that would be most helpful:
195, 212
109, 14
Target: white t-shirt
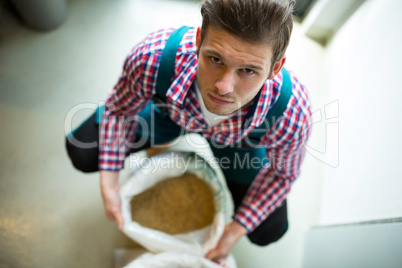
212, 119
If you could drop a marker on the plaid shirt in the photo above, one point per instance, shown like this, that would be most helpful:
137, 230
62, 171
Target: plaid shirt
136, 87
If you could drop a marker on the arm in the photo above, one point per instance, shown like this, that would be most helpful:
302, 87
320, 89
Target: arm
232, 233
269, 189
118, 125
135, 88
109, 183
114, 131
117, 129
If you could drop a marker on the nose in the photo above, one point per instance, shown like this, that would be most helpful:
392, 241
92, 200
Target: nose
225, 83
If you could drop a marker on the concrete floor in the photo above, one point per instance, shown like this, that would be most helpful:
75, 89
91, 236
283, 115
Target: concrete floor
52, 215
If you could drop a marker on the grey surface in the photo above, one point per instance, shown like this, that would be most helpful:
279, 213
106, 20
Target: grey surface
363, 245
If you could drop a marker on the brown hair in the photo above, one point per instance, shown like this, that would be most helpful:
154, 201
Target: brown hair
255, 21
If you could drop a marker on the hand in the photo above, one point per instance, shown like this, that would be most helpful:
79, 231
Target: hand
109, 181
232, 233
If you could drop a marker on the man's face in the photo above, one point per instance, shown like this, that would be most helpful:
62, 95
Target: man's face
230, 71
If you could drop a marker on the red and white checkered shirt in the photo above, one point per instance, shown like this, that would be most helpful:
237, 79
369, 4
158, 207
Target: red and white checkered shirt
284, 142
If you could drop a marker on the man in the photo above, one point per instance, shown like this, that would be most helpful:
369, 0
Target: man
227, 72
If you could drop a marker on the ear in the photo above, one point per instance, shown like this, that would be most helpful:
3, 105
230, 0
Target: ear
277, 67
198, 38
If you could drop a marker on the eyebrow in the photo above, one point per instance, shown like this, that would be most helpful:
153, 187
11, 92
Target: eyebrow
247, 66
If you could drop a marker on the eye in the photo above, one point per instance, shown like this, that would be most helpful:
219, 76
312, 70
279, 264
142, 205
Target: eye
216, 60
248, 71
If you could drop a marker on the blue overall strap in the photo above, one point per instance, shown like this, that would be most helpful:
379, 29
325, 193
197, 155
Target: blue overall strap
99, 114
166, 66
276, 110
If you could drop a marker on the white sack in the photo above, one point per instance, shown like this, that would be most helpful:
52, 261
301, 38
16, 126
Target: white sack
161, 167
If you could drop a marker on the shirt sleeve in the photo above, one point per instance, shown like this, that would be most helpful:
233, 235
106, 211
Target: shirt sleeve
285, 151
131, 93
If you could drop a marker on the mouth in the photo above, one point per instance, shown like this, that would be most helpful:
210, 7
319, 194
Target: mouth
219, 101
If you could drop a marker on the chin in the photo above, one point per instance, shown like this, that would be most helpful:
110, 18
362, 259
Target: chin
220, 110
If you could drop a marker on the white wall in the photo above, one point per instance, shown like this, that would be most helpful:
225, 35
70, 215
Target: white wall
363, 72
